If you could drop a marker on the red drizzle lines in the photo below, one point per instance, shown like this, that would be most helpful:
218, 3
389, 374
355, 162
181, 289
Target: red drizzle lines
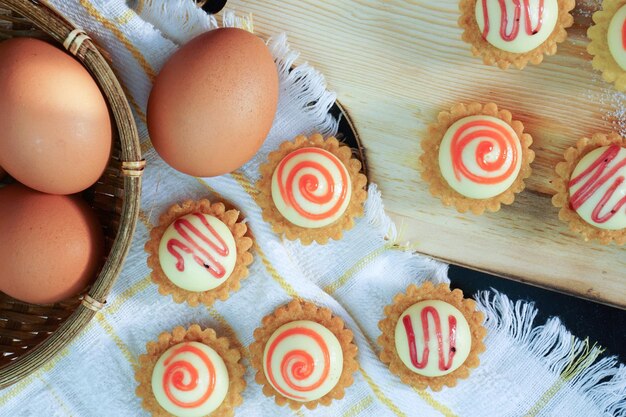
486, 129
596, 178
193, 247
308, 183
504, 19
624, 35
297, 365
175, 376
408, 327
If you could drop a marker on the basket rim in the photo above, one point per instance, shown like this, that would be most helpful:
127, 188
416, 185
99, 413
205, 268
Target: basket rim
49, 20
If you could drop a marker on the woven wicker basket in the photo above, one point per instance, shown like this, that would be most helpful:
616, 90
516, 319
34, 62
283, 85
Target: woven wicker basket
31, 335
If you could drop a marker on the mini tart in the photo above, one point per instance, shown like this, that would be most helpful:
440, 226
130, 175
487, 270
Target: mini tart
457, 173
608, 42
307, 164
188, 219
403, 335
570, 180
293, 341
527, 41
190, 346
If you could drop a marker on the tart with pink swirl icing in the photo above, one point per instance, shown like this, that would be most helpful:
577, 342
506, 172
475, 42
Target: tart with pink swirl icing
591, 188
190, 380
312, 189
608, 42
515, 32
303, 360
476, 157
431, 336
190, 373
199, 252
304, 356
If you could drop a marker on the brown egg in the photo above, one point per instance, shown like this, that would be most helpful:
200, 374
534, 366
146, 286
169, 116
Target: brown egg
56, 130
51, 246
214, 103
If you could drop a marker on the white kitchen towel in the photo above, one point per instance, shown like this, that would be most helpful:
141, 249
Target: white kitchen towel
527, 370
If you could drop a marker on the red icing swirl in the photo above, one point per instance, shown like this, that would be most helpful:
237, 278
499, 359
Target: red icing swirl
297, 365
504, 19
177, 370
308, 184
595, 176
193, 237
624, 35
486, 129
408, 327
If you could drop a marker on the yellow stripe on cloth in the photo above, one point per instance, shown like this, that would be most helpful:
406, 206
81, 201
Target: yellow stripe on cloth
130, 292
150, 72
330, 289
434, 403
245, 184
125, 17
380, 395
578, 363
52, 391
146, 146
110, 331
358, 408
145, 220
274, 274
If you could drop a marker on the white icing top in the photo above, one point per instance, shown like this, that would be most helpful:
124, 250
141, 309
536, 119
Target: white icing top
197, 252
311, 188
480, 156
176, 389
303, 360
587, 193
429, 358
616, 37
523, 31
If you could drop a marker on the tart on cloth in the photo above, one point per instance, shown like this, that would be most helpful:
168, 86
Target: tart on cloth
515, 32
190, 373
591, 188
476, 157
431, 336
199, 252
312, 189
303, 355
608, 42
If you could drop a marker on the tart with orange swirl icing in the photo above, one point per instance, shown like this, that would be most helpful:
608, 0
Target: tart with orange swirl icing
608, 42
515, 32
476, 157
311, 189
591, 188
199, 253
190, 373
431, 336
304, 356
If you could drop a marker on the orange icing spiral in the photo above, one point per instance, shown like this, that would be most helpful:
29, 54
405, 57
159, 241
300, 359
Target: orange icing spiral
504, 141
176, 371
297, 364
308, 184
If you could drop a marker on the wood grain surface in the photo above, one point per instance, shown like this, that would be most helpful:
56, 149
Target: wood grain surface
395, 64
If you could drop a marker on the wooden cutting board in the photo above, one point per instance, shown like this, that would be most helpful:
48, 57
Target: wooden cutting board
395, 64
